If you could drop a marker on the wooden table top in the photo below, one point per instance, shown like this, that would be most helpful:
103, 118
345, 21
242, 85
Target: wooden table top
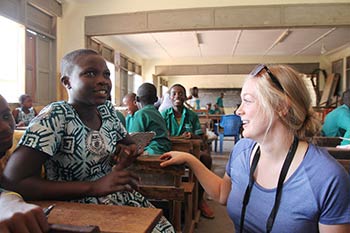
110, 219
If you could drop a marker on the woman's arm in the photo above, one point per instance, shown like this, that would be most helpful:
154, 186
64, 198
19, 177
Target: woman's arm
340, 228
216, 187
23, 175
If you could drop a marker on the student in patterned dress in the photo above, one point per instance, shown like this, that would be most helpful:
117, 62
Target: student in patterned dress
25, 113
15, 214
77, 141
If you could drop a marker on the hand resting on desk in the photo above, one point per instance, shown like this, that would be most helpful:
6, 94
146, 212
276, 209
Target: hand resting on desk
19, 216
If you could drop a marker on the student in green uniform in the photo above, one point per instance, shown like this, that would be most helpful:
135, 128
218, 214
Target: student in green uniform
181, 121
129, 101
148, 118
220, 102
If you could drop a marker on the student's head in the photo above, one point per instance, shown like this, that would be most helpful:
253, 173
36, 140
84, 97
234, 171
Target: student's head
146, 94
25, 101
346, 97
7, 126
222, 95
208, 106
85, 75
177, 95
277, 93
194, 91
129, 101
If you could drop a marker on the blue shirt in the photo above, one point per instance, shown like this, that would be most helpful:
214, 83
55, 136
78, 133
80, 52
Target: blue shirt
317, 192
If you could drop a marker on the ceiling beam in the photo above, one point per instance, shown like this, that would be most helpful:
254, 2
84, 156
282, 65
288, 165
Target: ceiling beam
236, 17
223, 69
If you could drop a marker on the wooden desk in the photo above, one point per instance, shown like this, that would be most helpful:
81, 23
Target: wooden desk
109, 219
163, 183
212, 118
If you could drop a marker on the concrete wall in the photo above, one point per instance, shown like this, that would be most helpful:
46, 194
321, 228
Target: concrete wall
71, 30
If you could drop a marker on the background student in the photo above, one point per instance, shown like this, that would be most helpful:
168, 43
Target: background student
148, 119
129, 101
15, 214
77, 142
181, 121
275, 180
337, 122
25, 112
220, 102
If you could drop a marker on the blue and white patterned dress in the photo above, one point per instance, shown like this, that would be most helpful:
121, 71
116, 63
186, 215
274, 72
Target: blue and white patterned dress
25, 117
78, 153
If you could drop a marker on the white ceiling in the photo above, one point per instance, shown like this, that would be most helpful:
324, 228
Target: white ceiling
231, 43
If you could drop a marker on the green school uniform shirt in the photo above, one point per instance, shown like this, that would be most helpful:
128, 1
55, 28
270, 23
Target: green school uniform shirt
189, 122
149, 119
337, 123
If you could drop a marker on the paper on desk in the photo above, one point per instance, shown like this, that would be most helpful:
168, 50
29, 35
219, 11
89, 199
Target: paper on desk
142, 139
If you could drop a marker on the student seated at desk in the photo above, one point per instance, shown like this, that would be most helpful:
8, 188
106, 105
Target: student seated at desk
181, 121
337, 122
15, 214
275, 181
148, 118
216, 109
77, 141
129, 101
25, 113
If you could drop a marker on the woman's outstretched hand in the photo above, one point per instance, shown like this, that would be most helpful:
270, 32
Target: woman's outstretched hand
174, 158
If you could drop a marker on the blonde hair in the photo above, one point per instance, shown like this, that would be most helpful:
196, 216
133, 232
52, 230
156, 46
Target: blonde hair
293, 104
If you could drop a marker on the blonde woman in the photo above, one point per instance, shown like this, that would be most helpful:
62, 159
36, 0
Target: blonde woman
275, 180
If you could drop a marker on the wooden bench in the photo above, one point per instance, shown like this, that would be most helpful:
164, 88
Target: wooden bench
326, 141
341, 155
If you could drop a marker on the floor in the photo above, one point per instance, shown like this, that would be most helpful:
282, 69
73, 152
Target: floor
221, 223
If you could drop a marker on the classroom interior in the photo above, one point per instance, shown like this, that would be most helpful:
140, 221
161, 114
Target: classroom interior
209, 44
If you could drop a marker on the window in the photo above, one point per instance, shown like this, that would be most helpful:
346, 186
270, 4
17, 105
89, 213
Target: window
111, 68
12, 47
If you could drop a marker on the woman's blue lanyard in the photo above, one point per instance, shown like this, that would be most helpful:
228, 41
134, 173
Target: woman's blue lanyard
284, 171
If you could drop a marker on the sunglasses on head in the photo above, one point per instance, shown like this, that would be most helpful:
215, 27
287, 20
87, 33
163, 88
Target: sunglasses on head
261, 67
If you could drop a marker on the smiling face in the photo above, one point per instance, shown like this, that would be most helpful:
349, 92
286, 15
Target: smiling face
7, 126
89, 81
255, 122
130, 102
177, 96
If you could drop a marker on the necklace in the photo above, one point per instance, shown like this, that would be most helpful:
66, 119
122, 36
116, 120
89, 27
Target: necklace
282, 176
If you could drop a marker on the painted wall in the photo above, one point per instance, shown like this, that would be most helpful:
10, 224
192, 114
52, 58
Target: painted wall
71, 32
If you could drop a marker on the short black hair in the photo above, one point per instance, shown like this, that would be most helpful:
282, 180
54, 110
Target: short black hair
147, 93
178, 85
69, 60
22, 98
